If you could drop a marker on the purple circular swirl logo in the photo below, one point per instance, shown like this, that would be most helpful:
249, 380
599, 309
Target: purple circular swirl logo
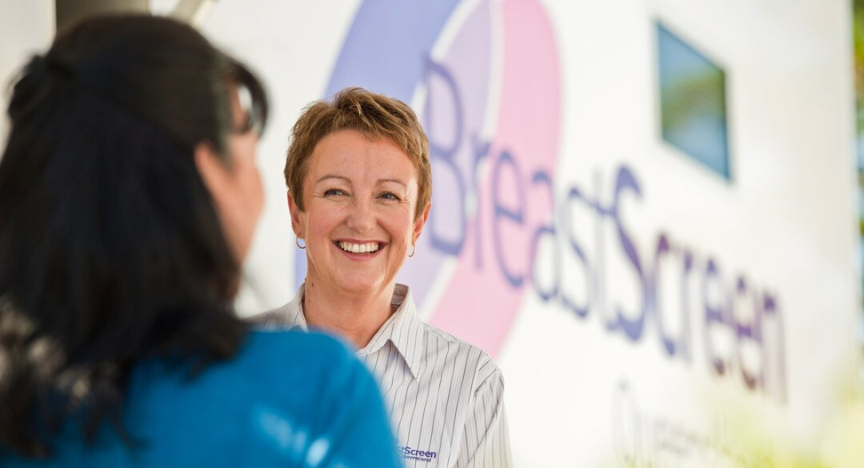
484, 77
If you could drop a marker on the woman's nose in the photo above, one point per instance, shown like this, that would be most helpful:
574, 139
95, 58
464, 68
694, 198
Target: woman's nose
362, 217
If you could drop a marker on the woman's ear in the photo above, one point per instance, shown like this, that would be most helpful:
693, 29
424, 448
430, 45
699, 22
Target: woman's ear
295, 212
213, 171
421, 221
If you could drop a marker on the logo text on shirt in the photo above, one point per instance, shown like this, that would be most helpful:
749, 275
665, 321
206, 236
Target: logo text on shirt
416, 454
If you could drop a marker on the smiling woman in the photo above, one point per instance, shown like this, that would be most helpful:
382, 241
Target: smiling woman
359, 189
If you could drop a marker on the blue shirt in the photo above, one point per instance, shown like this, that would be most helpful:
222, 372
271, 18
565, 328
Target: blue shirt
286, 399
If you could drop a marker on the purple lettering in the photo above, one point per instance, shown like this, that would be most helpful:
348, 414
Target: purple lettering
500, 212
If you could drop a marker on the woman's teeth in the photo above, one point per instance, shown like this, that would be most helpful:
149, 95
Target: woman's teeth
359, 248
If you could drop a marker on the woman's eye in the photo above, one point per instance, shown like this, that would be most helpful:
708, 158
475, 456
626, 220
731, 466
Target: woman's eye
388, 196
334, 191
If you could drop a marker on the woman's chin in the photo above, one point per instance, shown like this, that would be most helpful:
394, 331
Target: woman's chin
360, 285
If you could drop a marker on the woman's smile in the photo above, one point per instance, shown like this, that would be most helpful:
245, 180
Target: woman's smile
360, 250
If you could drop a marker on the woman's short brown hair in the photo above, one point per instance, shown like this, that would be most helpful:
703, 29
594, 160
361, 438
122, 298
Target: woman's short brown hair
374, 115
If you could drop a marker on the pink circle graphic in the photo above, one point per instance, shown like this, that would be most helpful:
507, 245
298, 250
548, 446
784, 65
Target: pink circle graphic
489, 100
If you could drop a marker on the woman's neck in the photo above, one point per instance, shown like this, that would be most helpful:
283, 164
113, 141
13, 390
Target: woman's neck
356, 316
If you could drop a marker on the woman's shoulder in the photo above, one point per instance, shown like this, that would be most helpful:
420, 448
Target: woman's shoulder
462, 353
278, 357
277, 366
278, 344
261, 399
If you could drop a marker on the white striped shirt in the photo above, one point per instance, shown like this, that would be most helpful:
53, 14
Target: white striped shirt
444, 395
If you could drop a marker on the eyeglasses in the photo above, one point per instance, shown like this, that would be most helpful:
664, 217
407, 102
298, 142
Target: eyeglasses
253, 117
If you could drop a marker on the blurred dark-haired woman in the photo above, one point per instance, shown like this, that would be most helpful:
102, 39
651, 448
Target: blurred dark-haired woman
128, 199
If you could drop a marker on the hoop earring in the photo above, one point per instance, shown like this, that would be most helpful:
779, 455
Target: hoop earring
297, 243
413, 250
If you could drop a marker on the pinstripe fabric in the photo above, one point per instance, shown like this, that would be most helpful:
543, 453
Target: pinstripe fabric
444, 395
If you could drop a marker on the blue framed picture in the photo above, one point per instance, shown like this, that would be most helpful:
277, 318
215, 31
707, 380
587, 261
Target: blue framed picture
693, 102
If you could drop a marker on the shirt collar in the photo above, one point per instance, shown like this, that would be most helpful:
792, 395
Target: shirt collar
404, 328
292, 314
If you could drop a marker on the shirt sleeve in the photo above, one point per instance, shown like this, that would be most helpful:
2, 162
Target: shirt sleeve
486, 441
355, 429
